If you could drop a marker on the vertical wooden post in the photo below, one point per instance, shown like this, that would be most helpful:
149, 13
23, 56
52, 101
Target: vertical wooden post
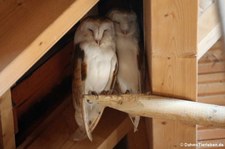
172, 63
7, 136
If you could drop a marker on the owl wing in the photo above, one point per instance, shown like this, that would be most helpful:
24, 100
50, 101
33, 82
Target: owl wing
79, 75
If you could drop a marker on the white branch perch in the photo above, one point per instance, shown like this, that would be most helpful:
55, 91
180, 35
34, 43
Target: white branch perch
166, 108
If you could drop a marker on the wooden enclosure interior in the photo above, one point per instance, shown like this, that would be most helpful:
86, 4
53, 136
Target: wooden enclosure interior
177, 37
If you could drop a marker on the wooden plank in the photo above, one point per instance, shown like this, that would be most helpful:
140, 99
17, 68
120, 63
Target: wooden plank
138, 139
211, 67
173, 64
211, 88
204, 5
209, 30
211, 77
215, 54
211, 134
29, 31
7, 6
213, 99
113, 126
7, 136
43, 80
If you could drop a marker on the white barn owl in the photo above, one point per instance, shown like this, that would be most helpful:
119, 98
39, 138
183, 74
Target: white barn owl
94, 70
127, 43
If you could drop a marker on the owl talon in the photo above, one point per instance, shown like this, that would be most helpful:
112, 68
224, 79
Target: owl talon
106, 92
127, 92
92, 93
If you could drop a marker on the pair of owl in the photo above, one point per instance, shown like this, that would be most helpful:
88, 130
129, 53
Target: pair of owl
106, 53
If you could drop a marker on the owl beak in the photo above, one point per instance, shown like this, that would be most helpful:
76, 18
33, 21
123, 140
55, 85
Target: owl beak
125, 32
98, 41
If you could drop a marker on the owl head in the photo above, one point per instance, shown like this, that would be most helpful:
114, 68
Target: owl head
95, 29
125, 22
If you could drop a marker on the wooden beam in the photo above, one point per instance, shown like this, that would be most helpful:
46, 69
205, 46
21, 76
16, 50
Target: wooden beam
173, 64
113, 126
209, 30
23, 45
7, 136
165, 108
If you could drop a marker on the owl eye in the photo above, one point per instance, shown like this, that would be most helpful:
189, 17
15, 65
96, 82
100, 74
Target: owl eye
131, 21
117, 22
90, 29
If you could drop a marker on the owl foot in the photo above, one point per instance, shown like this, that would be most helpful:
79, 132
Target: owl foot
92, 93
127, 92
106, 92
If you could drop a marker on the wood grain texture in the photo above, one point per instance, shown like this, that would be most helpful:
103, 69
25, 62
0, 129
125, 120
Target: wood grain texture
211, 85
211, 88
216, 53
166, 108
43, 80
211, 133
139, 138
173, 64
30, 30
211, 67
218, 99
113, 126
209, 29
211, 77
7, 136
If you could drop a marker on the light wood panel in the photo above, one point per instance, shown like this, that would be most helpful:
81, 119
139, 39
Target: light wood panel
30, 30
173, 64
209, 29
211, 77
218, 99
211, 133
7, 138
211, 67
56, 131
211, 88
216, 53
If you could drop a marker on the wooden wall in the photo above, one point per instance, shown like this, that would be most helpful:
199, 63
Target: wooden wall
211, 87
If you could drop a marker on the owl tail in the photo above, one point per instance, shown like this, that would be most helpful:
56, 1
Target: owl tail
80, 133
135, 120
92, 112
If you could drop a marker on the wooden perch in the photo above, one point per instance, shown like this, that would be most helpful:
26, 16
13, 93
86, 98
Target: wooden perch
164, 107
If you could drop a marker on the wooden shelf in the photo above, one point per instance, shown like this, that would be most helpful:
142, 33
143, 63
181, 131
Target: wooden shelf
29, 28
57, 129
209, 30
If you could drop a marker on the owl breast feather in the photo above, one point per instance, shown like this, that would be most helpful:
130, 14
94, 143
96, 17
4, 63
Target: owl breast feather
98, 69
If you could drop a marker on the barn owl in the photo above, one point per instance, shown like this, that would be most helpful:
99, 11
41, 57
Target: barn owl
94, 71
127, 43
